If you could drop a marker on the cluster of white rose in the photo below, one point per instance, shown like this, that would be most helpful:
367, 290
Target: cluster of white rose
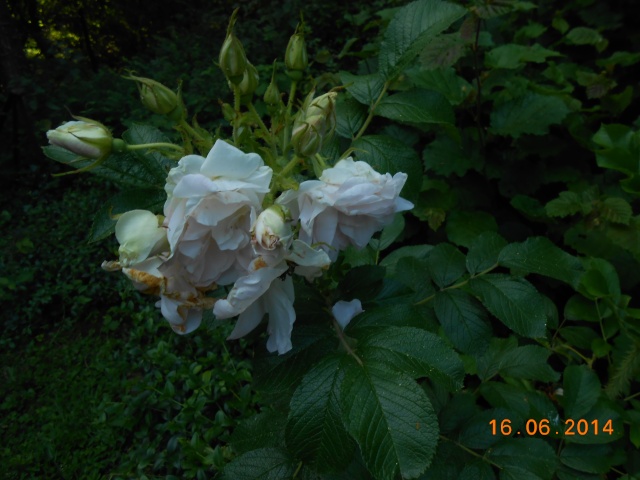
216, 232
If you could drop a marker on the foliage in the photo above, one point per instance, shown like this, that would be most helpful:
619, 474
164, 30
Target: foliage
499, 337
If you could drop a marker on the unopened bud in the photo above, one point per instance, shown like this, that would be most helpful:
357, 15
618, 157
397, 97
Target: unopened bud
249, 83
158, 98
306, 140
273, 227
232, 59
272, 94
295, 57
85, 137
141, 235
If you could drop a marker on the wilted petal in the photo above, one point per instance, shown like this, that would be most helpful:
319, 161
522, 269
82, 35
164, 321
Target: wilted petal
344, 311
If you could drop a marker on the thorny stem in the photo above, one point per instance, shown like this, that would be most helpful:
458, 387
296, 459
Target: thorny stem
457, 285
372, 111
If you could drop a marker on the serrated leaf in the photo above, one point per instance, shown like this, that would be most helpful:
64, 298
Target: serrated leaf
567, 203
443, 51
584, 36
463, 227
394, 313
412, 251
389, 233
478, 433
539, 255
587, 458
513, 56
385, 154
529, 362
414, 352
619, 150
477, 470
410, 31
361, 282
484, 252
392, 420
104, 224
414, 274
446, 157
314, 431
532, 114
524, 458
503, 395
276, 374
463, 320
444, 81
416, 106
261, 464
581, 391
600, 280
446, 264
350, 116
617, 210
364, 88
584, 428
490, 361
497, 8
266, 429
514, 301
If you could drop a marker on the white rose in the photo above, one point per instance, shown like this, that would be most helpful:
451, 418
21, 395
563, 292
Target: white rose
346, 206
211, 205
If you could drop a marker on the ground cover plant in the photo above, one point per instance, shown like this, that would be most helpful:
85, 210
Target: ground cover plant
441, 241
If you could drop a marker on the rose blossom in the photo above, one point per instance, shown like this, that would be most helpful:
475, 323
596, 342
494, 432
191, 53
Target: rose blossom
346, 206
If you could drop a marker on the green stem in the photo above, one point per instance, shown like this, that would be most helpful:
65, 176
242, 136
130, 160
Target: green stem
372, 111
267, 132
236, 118
344, 343
190, 130
290, 166
142, 146
287, 118
630, 397
457, 285
471, 452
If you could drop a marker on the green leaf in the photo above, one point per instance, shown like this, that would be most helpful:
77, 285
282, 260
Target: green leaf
314, 431
412, 351
507, 396
463, 227
524, 458
392, 420
444, 81
490, 361
581, 391
501, 7
600, 281
364, 88
477, 470
584, 36
484, 252
414, 274
265, 429
539, 255
603, 412
416, 106
361, 282
261, 464
389, 233
446, 264
410, 31
620, 150
587, 458
446, 157
478, 433
532, 114
350, 116
385, 154
443, 51
567, 203
463, 320
514, 301
413, 251
617, 210
528, 362
151, 199
395, 313
513, 56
